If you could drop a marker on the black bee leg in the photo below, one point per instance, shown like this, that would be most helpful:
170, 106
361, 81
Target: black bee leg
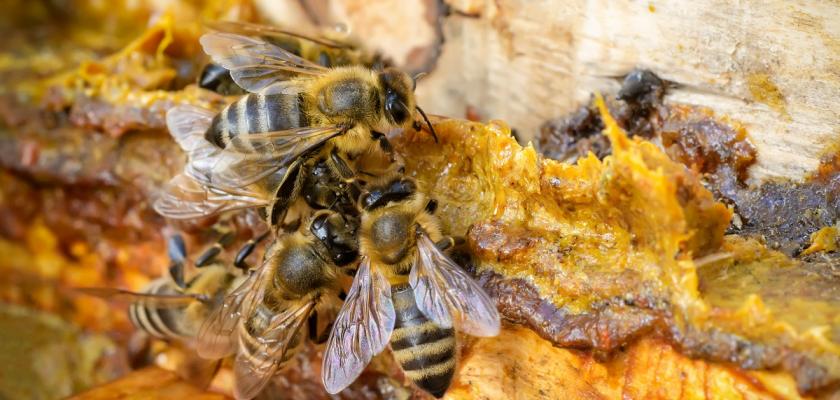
350, 272
177, 251
287, 192
449, 242
431, 206
246, 250
340, 166
351, 186
313, 326
209, 255
316, 335
384, 144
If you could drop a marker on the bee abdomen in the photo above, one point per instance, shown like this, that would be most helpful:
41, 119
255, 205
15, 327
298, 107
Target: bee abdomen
255, 113
162, 323
425, 351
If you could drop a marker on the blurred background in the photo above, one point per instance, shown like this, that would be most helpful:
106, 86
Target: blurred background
84, 86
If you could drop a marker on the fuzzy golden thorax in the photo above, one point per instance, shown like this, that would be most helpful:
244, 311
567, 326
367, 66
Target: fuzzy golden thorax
367, 100
298, 267
389, 235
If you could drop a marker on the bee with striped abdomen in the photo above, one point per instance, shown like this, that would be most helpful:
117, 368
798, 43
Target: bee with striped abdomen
406, 293
326, 48
170, 307
263, 322
208, 187
295, 107
173, 309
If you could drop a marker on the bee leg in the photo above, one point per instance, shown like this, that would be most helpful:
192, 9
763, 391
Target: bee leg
177, 251
287, 193
340, 167
351, 186
139, 350
246, 250
350, 271
209, 255
313, 326
431, 206
384, 144
290, 226
449, 242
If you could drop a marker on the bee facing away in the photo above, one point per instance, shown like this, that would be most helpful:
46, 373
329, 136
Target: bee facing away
168, 307
263, 321
325, 49
173, 309
406, 293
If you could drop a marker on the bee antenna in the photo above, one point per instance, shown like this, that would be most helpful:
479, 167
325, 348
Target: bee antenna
417, 77
425, 118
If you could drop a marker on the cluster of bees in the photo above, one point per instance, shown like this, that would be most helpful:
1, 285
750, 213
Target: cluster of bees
305, 147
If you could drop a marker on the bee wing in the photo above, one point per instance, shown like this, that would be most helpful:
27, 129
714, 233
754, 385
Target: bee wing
253, 371
253, 62
187, 125
217, 337
209, 164
229, 170
183, 197
361, 330
154, 300
250, 29
446, 294
267, 154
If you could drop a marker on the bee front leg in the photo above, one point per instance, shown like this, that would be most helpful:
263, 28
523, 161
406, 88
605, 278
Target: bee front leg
431, 206
209, 256
177, 251
340, 167
384, 144
246, 250
449, 242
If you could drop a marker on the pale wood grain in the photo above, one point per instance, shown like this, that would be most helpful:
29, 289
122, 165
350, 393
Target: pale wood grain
772, 65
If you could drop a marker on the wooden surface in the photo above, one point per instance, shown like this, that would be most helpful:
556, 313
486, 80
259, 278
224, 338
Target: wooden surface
149, 383
773, 66
519, 365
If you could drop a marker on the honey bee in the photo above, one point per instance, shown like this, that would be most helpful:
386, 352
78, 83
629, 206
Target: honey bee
263, 321
321, 182
171, 309
295, 107
406, 293
324, 48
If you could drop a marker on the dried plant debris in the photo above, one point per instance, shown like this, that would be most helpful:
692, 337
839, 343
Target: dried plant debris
782, 214
596, 254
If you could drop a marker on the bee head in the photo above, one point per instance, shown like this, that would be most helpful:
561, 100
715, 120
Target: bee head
338, 235
394, 191
398, 88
